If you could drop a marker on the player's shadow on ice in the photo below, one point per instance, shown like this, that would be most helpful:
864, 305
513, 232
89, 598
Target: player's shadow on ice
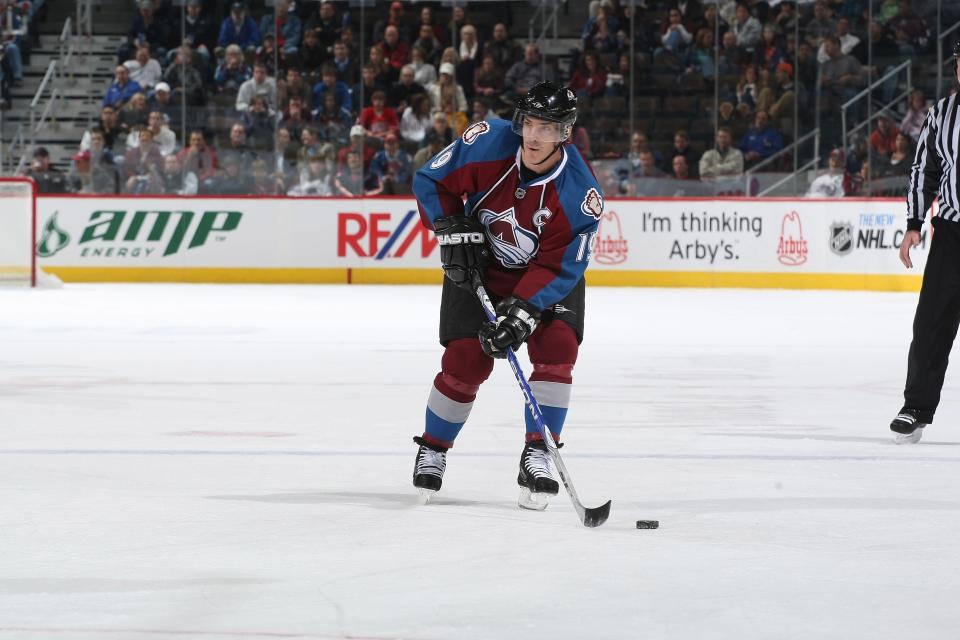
700, 507
824, 438
388, 501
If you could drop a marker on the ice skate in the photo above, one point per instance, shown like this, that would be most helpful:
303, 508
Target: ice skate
428, 469
907, 427
536, 477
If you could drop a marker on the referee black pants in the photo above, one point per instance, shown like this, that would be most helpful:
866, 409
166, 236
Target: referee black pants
936, 321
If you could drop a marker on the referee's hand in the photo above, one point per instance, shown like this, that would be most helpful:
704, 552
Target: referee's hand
910, 239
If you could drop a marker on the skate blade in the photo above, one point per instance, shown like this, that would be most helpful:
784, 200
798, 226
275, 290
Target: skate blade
425, 495
908, 438
533, 501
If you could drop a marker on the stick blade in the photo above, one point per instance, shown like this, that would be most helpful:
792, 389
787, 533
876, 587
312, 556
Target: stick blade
596, 516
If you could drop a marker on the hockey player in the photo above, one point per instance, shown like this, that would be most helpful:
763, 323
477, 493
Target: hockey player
515, 206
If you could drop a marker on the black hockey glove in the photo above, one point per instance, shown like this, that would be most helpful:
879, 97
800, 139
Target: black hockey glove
463, 249
516, 320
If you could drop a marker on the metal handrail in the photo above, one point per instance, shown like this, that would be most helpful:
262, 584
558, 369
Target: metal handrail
65, 45
19, 140
542, 9
940, 61
546, 22
866, 92
748, 174
51, 69
879, 112
15, 144
873, 85
68, 59
54, 96
806, 167
552, 20
36, 125
65, 32
787, 148
84, 33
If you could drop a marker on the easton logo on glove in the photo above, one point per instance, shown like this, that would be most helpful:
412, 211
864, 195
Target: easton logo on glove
463, 249
460, 238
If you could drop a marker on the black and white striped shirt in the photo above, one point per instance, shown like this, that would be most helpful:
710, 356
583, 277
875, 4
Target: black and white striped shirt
934, 168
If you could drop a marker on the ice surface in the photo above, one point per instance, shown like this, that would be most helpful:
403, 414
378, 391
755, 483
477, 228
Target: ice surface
234, 462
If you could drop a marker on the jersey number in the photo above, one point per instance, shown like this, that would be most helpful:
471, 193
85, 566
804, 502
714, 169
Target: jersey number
585, 250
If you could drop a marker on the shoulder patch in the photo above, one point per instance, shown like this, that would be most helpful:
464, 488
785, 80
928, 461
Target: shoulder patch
474, 131
592, 204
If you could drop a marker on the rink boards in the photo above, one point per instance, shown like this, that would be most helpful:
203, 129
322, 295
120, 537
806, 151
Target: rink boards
735, 242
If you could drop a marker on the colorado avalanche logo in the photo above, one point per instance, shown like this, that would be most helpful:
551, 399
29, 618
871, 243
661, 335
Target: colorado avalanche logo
513, 245
474, 131
592, 204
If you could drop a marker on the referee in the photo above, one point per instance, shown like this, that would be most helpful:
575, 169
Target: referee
938, 310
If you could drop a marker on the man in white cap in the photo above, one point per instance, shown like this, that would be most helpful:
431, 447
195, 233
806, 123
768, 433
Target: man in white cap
357, 136
161, 101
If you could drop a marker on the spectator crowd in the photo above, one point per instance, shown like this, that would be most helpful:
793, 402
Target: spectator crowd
283, 100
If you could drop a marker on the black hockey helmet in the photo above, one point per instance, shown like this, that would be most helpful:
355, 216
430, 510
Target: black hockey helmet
547, 101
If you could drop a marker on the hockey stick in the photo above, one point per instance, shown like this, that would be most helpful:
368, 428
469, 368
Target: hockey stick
589, 517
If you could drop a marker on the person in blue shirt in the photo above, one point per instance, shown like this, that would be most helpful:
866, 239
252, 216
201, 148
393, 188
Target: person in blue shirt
393, 166
233, 71
121, 90
240, 29
291, 29
761, 141
331, 84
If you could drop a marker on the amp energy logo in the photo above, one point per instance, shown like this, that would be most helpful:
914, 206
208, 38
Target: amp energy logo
139, 234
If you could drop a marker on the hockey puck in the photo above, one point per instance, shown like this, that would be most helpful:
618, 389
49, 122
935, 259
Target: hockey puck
648, 524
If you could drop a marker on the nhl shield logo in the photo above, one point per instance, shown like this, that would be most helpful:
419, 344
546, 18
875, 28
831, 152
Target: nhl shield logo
841, 238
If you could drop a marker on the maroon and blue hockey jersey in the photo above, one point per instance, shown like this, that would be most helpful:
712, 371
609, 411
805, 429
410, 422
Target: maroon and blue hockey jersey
540, 232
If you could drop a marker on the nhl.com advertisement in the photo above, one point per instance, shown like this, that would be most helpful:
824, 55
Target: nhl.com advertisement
637, 241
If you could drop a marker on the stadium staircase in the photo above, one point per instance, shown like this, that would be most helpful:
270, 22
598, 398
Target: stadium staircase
80, 83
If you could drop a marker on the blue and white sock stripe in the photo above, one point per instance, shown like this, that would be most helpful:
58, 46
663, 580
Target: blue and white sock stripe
554, 399
447, 409
553, 394
442, 431
554, 417
445, 417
